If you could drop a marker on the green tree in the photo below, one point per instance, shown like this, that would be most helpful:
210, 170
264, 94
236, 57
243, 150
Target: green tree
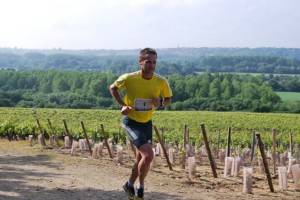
267, 95
226, 89
250, 91
60, 83
215, 88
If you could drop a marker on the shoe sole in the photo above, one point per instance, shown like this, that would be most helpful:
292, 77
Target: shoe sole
130, 196
137, 198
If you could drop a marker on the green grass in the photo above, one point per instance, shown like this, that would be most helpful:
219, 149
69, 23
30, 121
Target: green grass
289, 96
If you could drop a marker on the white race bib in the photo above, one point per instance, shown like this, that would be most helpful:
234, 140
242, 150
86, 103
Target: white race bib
142, 105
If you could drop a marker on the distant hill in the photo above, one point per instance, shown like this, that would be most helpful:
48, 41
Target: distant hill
183, 61
182, 53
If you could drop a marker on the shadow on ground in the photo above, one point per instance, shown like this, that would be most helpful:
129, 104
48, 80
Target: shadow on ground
26, 160
16, 183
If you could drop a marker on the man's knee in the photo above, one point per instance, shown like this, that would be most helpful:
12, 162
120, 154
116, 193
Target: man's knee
147, 153
150, 156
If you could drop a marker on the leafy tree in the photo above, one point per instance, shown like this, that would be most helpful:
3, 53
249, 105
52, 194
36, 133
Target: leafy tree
60, 83
226, 89
75, 89
215, 88
267, 95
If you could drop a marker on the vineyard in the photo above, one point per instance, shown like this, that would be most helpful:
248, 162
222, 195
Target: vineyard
178, 128
21, 122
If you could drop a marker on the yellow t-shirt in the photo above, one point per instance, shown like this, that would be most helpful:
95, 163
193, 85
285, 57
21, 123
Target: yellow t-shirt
140, 91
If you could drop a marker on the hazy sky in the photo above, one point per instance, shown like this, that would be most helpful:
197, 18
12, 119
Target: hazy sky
131, 24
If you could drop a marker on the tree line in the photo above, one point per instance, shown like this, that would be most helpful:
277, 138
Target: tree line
207, 91
170, 62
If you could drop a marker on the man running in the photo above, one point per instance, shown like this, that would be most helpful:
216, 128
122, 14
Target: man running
145, 91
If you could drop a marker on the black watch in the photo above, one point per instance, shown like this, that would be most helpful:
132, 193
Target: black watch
162, 103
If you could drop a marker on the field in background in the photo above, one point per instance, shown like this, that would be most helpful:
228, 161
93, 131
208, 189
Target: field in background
289, 96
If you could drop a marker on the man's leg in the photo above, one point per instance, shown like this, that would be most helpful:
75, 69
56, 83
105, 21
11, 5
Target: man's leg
135, 170
147, 155
129, 185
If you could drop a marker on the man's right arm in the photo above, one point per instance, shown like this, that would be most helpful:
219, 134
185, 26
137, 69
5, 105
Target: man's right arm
114, 91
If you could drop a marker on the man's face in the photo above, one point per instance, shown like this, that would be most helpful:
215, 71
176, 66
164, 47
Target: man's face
148, 64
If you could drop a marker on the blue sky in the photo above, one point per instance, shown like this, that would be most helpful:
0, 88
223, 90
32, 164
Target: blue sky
132, 24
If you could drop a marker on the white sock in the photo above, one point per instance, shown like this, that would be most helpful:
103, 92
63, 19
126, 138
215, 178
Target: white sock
140, 186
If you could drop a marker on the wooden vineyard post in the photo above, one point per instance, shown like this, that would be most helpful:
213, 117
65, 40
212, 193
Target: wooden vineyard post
291, 143
105, 141
219, 140
228, 141
53, 132
43, 143
86, 137
185, 137
253, 145
211, 159
163, 147
183, 152
162, 135
262, 151
67, 131
274, 150
188, 135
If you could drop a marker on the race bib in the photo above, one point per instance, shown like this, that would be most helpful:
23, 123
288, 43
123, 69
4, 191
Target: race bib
143, 105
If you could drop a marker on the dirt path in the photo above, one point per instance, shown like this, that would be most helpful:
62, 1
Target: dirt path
36, 173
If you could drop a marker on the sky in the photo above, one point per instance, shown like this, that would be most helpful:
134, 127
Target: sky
135, 24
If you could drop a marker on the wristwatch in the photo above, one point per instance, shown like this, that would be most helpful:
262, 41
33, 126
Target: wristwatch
162, 103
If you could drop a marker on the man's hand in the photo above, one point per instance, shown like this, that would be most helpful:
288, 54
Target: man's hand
125, 110
156, 102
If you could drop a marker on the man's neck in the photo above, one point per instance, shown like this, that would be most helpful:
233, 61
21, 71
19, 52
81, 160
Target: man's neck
147, 76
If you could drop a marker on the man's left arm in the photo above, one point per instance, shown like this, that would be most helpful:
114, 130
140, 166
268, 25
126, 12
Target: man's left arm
166, 101
166, 93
